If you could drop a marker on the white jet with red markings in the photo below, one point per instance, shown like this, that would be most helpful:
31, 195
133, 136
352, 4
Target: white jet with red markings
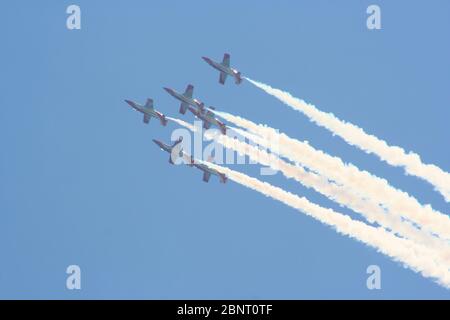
224, 69
148, 110
186, 98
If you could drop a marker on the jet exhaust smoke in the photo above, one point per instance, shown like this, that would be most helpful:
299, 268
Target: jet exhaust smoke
183, 123
413, 255
355, 136
363, 183
401, 250
337, 193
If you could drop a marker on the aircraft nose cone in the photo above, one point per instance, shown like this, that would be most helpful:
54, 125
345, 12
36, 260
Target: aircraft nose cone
129, 102
206, 59
168, 89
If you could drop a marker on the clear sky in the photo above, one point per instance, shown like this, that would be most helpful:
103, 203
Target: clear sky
81, 181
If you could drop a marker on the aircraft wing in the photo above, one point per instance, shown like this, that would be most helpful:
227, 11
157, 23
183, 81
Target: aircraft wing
223, 77
226, 60
149, 104
189, 91
147, 118
206, 124
177, 150
188, 159
183, 107
206, 176
223, 178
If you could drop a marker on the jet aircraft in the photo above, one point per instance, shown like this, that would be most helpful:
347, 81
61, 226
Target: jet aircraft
148, 110
208, 118
207, 172
225, 69
175, 150
185, 98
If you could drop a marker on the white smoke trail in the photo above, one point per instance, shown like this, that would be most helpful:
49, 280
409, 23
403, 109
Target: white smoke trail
183, 123
334, 192
409, 254
356, 136
366, 185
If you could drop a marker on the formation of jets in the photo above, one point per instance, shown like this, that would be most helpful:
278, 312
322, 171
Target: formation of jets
197, 108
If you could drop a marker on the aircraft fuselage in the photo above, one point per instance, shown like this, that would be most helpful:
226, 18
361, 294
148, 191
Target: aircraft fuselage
163, 146
190, 101
220, 67
151, 112
207, 116
205, 168
148, 111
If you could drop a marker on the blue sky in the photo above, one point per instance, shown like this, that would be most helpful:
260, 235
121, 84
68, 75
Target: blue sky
81, 181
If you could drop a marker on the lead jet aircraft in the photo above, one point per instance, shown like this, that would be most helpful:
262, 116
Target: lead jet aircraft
149, 111
224, 69
207, 172
208, 118
185, 98
175, 151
